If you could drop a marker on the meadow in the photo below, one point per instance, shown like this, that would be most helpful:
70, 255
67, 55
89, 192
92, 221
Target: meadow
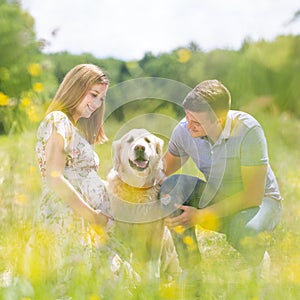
25, 275
29, 255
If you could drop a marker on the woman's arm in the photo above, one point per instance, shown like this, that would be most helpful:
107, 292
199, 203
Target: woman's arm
55, 165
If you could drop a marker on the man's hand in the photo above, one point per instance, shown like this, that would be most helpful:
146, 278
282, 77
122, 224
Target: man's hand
191, 216
187, 219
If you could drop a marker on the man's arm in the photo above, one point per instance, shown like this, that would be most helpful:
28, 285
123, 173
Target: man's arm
173, 163
254, 179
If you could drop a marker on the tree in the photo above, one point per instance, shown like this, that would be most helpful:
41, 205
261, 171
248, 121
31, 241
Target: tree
295, 17
18, 48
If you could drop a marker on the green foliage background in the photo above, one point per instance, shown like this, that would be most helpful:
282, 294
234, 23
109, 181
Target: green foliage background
258, 74
264, 80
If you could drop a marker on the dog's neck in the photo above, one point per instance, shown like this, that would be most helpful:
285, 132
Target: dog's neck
146, 187
127, 192
138, 184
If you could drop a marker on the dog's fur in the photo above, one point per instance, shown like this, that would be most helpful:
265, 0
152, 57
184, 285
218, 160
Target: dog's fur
134, 180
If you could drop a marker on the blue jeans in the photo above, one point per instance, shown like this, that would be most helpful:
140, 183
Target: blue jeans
244, 229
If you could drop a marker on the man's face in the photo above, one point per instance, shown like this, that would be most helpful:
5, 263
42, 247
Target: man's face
200, 124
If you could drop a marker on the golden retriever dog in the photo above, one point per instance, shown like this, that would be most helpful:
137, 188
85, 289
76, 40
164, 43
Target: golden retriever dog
133, 185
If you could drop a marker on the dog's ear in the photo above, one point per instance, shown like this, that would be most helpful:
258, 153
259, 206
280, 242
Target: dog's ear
117, 150
159, 146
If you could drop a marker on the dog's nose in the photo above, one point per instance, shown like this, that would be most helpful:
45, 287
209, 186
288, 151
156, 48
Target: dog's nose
139, 148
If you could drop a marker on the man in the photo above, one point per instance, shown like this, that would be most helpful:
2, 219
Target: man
240, 196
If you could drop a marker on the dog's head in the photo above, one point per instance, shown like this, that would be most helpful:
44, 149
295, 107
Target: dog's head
138, 158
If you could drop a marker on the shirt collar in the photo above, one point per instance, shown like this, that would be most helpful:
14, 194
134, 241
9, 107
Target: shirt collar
227, 128
225, 134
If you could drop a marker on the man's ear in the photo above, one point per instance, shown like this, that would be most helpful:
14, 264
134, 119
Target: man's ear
222, 121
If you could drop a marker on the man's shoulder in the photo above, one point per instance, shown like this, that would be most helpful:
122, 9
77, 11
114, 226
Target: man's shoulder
181, 126
244, 119
183, 122
181, 132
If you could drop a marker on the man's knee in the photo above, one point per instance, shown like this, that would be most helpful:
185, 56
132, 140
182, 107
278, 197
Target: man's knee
183, 188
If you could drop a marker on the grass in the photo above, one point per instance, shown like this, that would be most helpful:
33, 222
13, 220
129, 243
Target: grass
26, 270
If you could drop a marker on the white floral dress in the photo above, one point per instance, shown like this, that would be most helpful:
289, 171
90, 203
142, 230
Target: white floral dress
81, 168
72, 233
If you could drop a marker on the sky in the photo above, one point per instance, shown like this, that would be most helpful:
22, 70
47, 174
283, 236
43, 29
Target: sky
128, 29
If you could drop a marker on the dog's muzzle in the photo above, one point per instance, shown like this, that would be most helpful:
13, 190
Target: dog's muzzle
140, 163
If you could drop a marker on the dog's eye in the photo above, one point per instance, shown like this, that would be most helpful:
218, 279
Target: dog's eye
130, 140
147, 140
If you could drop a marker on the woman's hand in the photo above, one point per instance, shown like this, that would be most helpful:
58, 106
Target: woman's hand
101, 217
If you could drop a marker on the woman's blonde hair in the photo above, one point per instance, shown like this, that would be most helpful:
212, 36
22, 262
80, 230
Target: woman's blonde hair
71, 92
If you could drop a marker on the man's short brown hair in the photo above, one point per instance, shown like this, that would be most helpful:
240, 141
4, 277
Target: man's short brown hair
209, 95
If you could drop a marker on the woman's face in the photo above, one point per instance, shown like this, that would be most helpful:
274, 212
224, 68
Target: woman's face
92, 100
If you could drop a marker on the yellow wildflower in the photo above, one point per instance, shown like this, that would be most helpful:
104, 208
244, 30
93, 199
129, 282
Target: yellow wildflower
188, 240
33, 113
38, 87
179, 229
20, 199
94, 297
209, 221
183, 55
32, 169
34, 69
170, 290
25, 101
95, 235
98, 229
4, 99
